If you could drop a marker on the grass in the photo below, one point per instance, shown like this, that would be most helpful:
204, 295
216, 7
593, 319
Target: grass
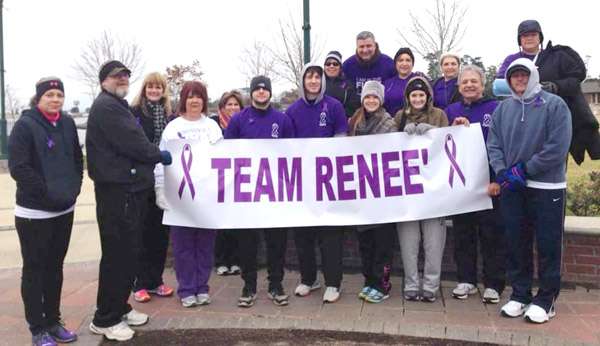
577, 173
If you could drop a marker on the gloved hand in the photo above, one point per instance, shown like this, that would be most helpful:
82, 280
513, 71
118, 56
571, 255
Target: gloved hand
161, 200
513, 178
550, 87
423, 127
165, 158
410, 128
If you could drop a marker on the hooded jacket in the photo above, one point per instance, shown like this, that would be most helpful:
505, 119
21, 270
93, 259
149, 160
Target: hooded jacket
479, 111
445, 92
358, 71
535, 129
322, 117
429, 114
394, 92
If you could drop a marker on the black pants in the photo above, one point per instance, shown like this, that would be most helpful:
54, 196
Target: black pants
44, 244
226, 248
331, 244
376, 247
276, 244
487, 227
153, 251
119, 214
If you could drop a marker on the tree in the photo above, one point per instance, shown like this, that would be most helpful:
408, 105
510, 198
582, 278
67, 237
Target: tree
178, 74
13, 104
104, 48
257, 60
440, 31
490, 75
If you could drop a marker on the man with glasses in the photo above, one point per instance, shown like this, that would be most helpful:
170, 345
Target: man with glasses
120, 161
338, 86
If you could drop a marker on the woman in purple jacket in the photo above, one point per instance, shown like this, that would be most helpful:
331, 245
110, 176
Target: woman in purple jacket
445, 88
394, 86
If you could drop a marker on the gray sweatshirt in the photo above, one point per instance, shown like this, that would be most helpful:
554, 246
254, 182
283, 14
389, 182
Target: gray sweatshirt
535, 129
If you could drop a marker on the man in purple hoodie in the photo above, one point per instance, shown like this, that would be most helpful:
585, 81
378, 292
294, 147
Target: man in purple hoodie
260, 120
368, 63
318, 115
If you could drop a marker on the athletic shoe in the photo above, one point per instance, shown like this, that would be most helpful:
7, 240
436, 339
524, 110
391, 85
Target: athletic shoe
189, 301
61, 334
119, 332
247, 298
162, 291
42, 339
303, 290
411, 296
222, 270
135, 318
428, 297
141, 296
463, 290
364, 292
491, 296
278, 296
375, 296
331, 295
234, 270
537, 314
513, 309
203, 299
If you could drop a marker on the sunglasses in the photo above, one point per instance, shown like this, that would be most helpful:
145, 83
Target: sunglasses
332, 63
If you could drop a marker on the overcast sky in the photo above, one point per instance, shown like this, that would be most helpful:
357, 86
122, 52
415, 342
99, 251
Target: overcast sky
43, 38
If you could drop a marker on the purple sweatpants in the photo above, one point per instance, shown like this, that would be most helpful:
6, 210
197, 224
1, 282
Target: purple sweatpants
193, 250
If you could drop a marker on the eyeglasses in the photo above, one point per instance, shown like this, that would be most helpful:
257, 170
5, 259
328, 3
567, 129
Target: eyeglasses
332, 63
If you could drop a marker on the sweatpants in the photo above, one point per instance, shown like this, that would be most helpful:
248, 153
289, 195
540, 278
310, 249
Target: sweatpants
193, 252
153, 251
534, 216
226, 248
487, 228
433, 233
119, 214
330, 241
44, 244
276, 244
376, 246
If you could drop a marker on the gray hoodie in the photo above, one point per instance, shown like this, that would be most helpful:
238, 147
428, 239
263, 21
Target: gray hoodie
535, 129
302, 91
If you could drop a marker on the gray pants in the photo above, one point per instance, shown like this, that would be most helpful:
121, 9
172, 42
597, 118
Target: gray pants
434, 239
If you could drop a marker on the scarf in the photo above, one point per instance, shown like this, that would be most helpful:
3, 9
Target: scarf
157, 112
372, 123
224, 119
52, 118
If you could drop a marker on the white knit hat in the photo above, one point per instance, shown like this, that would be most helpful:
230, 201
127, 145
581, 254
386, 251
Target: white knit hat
374, 88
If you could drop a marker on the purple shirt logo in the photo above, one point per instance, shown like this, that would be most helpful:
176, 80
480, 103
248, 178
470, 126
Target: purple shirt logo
487, 120
275, 130
323, 119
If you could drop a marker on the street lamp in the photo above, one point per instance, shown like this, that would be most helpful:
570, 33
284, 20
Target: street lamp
3, 130
306, 28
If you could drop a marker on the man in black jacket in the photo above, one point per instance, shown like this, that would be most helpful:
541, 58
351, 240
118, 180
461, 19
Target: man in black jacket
120, 162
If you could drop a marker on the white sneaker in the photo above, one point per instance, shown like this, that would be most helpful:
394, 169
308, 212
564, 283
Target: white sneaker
303, 290
537, 314
331, 295
189, 301
222, 270
135, 318
203, 299
119, 332
234, 270
491, 296
463, 290
513, 309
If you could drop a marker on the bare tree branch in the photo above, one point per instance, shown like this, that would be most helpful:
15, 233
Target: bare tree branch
257, 60
178, 74
13, 104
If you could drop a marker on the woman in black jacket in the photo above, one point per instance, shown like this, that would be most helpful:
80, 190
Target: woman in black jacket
45, 159
337, 86
152, 107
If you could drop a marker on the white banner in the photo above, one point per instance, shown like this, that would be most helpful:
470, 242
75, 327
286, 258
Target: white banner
261, 183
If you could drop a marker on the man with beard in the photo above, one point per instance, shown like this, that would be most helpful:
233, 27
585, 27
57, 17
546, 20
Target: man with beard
368, 63
121, 163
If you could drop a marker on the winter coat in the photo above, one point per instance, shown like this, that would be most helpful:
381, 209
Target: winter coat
429, 114
358, 72
343, 90
445, 92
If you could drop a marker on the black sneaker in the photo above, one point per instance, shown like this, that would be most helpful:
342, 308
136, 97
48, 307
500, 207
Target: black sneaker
278, 296
428, 297
247, 298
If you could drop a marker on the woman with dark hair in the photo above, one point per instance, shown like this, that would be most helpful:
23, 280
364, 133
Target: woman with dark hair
45, 159
226, 247
394, 86
193, 248
337, 86
151, 107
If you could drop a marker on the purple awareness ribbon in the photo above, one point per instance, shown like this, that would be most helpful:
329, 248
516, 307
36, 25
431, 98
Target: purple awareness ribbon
187, 165
452, 157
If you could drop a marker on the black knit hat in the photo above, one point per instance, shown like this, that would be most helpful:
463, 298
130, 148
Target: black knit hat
529, 25
46, 84
110, 68
516, 68
417, 84
405, 50
260, 82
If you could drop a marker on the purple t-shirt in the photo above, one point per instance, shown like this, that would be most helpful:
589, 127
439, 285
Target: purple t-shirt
255, 123
394, 92
379, 70
326, 118
443, 91
509, 59
477, 112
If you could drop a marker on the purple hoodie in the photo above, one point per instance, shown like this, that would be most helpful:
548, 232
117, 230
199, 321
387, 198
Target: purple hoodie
444, 92
509, 59
382, 68
255, 123
479, 111
394, 92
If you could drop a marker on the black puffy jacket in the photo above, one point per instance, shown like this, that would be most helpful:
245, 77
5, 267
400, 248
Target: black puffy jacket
343, 91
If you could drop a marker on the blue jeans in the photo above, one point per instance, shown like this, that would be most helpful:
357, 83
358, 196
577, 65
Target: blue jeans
527, 214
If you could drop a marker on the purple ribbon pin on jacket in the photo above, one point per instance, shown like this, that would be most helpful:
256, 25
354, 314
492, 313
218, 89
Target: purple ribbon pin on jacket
187, 165
451, 153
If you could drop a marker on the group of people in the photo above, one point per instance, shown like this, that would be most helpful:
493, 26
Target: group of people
528, 137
